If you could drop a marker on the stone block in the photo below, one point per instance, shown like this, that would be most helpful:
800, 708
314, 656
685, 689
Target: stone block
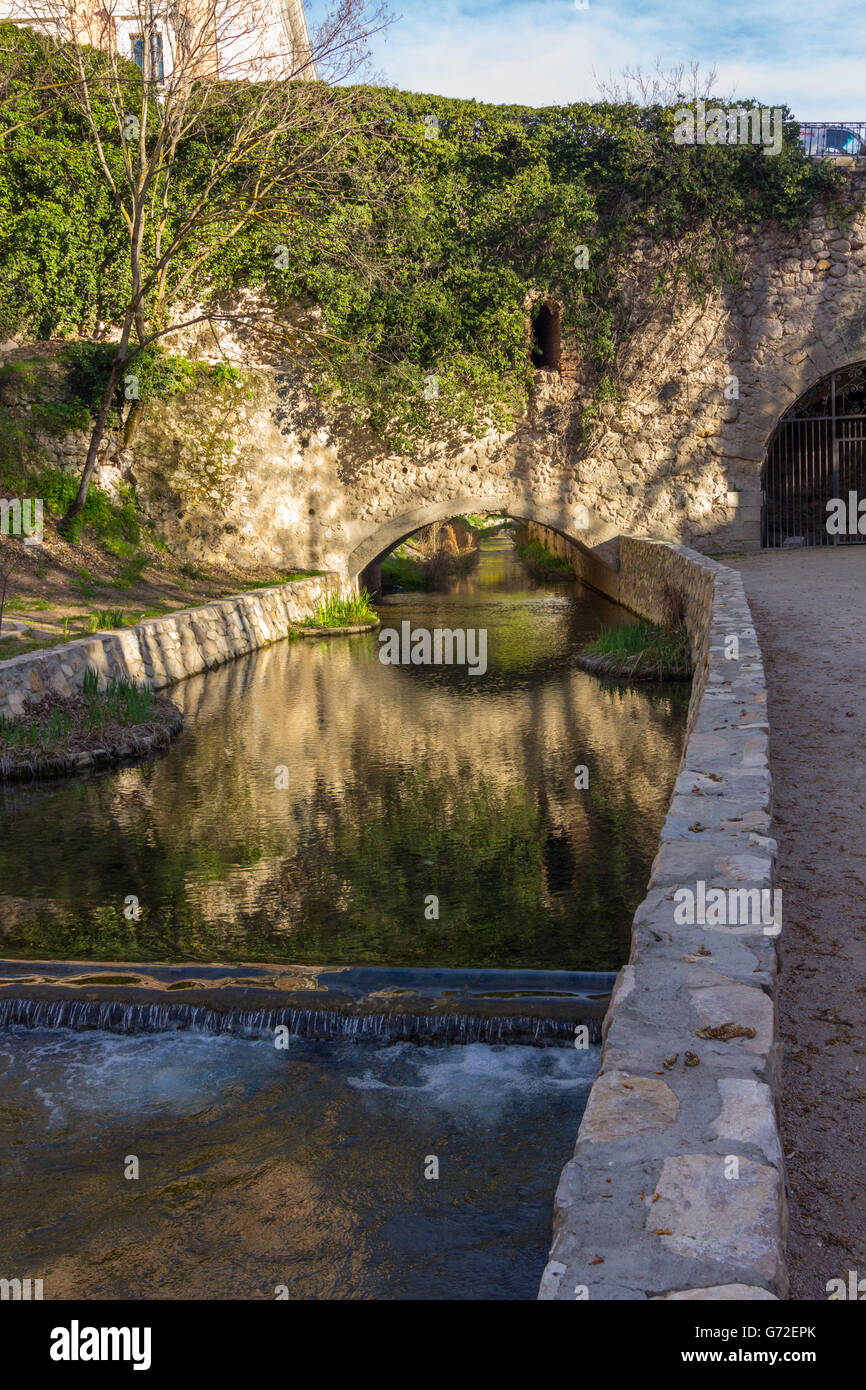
711, 1217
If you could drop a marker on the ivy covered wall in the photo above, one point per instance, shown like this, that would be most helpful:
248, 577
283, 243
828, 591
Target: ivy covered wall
452, 214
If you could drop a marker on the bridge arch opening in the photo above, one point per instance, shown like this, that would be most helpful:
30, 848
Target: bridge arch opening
814, 473
444, 529
597, 540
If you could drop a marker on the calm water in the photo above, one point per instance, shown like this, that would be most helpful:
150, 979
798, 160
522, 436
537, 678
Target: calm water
260, 1168
404, 783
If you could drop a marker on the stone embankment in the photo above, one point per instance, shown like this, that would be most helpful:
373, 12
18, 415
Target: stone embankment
161, 651
677, 1187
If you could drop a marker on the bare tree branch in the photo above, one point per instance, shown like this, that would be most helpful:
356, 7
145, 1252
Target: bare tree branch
221, 125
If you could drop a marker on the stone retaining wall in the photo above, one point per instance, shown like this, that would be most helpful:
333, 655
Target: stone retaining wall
677, 1188
161, 651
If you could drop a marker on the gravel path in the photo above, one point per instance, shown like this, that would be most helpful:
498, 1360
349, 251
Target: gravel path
809, 607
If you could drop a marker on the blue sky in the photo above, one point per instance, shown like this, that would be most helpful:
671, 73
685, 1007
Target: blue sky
540, 52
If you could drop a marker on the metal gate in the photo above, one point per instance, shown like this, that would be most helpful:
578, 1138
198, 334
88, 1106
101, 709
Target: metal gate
817, 453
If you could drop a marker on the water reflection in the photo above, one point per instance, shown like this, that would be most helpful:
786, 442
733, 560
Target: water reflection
405, 784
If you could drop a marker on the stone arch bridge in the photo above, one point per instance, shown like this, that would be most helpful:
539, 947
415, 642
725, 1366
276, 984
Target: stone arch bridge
682, 456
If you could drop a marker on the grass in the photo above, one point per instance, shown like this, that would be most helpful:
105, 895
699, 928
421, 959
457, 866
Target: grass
196, 572
52, 722
541, 562
106, 618
131, 572
402, 571
17, 646
27, 605
486, 523
399, 571
37, 735
120, 701
112, 522
283, 579
343, 612
85, 584
641, 650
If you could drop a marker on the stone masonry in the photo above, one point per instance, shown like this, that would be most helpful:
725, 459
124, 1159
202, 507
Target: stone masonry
258, 471
162, 651
677, 1186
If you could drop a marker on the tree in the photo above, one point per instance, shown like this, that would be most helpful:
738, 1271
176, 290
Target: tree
11, 560
220, 123
661, 87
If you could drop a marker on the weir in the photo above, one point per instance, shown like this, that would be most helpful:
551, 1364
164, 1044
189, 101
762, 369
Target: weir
536, 1007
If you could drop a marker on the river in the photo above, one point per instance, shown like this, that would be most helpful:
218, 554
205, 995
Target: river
317, 806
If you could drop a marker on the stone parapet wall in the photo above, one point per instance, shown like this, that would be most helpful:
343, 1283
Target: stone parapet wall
677, 1187
588, 566
161, 651
648, 568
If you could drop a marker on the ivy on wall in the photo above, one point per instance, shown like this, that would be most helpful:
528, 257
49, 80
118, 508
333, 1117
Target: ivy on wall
416, 277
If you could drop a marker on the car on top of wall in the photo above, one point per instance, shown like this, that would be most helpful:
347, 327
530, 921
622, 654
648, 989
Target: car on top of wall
832, 141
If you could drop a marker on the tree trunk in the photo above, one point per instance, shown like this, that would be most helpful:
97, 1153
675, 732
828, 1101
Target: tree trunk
97, 435
133, 420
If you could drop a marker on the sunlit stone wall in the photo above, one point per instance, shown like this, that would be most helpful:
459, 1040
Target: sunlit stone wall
161, 651
676, 1188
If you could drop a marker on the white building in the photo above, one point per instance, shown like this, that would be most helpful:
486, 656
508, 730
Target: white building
229, 39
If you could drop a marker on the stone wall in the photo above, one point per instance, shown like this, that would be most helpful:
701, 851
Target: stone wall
258, 470
677, 1188
161, 651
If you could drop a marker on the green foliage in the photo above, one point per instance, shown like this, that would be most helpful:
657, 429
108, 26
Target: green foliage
159, 376
118, 702
420, 253
28, 605
343, 612
106, 618
61, 416
197, 572
62, 245
114, 523
402, 572
486, 524
287, 578
84, 583
642, 650
87, 366
16, 646
44, 731
540, 561
132, 572
40, 735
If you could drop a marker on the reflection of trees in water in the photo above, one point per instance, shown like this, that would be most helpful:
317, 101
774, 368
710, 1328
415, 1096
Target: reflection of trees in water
527, 869
514, 906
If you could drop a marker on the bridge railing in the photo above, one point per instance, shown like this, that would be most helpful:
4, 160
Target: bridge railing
833, 139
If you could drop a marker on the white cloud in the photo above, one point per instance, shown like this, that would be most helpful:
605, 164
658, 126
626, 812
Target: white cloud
544, 52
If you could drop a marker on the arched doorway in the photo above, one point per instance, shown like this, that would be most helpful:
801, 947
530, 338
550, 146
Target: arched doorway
817, 453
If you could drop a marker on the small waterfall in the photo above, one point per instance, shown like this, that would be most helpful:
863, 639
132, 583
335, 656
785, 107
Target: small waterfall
116, 1016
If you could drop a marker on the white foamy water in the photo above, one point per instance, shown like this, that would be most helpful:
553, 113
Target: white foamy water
261, 1167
